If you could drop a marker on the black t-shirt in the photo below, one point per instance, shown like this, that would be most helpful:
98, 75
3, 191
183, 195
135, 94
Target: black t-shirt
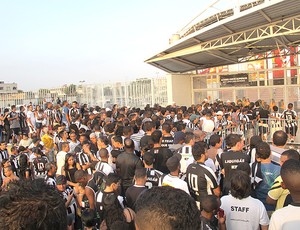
264, 115
109, 207
132, 194
256, 112
161, 155
230, 160
166, 141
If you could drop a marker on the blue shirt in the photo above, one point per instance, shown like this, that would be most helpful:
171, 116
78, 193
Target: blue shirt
269, 172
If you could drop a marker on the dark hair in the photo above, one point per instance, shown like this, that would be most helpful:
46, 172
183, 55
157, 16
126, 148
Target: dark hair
148, 126
232, 140
111, 179
104, 140
68, 155
89, 218
188, 137
214, 139
148, 158
244, 166
263, 150
280, 138
240, 185
118, 139
198, 150
45, 208
127, 130
156, 135
290, 173
166, 127
254, 141
290, 105
140, 173
210, 203
154, 206
291, 154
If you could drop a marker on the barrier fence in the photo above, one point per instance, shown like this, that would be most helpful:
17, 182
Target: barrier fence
263, 127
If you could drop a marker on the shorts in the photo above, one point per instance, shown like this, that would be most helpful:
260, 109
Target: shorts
16, 131
291, 130
25, 131
38, 125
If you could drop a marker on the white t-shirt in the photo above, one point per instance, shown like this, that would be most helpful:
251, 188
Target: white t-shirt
31, 116
60, 161
208, 125
287, 218
175, 182
246, 214
73, 145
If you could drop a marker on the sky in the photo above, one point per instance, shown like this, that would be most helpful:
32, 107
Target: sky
49, 43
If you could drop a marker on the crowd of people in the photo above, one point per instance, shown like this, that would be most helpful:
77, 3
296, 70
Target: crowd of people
67, 166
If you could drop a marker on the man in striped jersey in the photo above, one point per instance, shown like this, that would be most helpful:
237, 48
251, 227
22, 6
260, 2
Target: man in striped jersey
50, 177
153, 176
49, 114
186, 152
68, 196
201, 179
3, 151
103, 166
85, 158
291, 122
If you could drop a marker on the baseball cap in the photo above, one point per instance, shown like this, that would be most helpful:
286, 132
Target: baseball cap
194, 117
174, 162
61, 179
219, 113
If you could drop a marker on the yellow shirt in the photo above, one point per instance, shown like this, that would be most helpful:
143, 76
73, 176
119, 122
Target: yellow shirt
278, 193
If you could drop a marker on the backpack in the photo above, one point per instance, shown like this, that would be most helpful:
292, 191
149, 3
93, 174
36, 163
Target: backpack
99, 180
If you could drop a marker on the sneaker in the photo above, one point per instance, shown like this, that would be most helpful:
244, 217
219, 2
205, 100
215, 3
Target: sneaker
292, 140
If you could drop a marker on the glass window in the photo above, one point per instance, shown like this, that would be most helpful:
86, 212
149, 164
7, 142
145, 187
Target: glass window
201, 82
272, 94
293, 96
251, 94
199, 96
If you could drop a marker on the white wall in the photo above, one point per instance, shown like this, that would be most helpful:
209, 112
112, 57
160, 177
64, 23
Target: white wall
179, 89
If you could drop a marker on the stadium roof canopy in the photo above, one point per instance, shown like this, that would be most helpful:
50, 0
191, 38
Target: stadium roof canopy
234, 36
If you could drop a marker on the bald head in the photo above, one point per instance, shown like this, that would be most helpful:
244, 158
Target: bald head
128, 144
103, 153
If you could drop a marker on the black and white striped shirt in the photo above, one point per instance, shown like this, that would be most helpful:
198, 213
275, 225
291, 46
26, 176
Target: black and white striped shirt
83, 159
290, 118
71, 209
3, 155
201, 180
